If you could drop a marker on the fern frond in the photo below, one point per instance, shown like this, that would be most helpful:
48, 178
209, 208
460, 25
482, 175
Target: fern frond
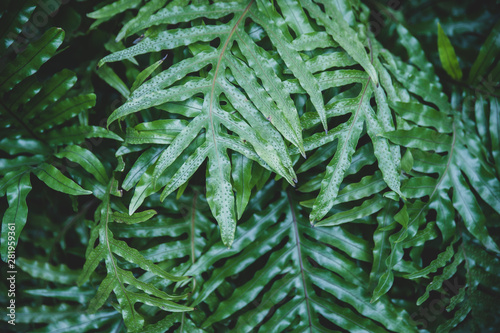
117, 278
445, 144
241, 117
307, 274
30, 114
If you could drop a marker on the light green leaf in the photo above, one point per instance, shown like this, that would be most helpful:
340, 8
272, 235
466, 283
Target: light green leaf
447, 55
343, 34
295, 63
134, 218
146, 73
114, 9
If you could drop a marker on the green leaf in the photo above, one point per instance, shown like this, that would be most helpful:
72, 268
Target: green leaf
54, 179
368, 208
242, 177
20, 145
140, 166
487, 54
402, 217
438, 280
294, 62
80, 321
37, 269
145, 74
469, 209
64, 110
283, 114
343, 34
437, 263
52, 90
384, 285
122, 249
29, 61
220, 195
338, 165
422, 138
77, 134
87, 160
108, 75
15, 16
113, 9
407, 161
175, 14
14, 218
144, 14
74, 294
447, 55
423, 115
134, 218
314, 270
92, 260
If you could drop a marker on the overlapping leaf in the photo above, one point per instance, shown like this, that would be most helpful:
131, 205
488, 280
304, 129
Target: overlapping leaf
308, 274
30, 112
225, 108
118, 278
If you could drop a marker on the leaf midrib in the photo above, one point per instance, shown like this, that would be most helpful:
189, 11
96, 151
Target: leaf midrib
214, 80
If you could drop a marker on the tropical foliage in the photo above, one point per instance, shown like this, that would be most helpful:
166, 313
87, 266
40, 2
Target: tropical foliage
250, 166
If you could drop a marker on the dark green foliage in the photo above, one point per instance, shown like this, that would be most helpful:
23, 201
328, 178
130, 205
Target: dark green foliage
336, 166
